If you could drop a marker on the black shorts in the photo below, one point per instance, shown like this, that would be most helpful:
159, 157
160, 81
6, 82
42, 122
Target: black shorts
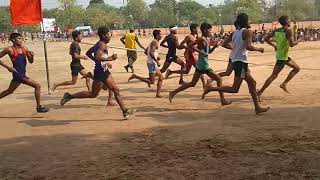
75, 69
240, 69
206, 71
171, 58
101, 75
282, 63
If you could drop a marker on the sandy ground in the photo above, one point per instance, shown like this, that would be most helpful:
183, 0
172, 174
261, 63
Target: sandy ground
189, 139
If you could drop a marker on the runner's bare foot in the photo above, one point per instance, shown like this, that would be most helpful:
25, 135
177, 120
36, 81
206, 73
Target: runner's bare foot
259, 96
209, 82
262, 110
131, 77
284, 87
54, 86
159, 96
111, 104
181, 82
168, 73
171, 96
205, 90
226, 102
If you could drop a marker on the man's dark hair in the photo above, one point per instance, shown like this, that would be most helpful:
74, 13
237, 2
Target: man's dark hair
156, 33
193, 26
283, 20
13, 36
205, 26
131, 30
242, 20
102, 31
75, 34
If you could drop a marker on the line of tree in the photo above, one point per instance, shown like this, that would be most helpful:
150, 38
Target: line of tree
163, 13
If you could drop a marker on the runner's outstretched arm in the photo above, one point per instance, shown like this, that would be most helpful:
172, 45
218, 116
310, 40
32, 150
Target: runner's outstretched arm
163, 42
3, 53
122, 39
250, 47
269, 41
89, 53
227, 42
292, 42
138, 42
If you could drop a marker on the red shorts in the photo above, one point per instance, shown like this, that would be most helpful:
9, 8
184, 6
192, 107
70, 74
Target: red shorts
191, 58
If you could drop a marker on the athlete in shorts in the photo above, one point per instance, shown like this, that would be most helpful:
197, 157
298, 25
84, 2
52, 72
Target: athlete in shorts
75, 66
153, 64
19, 56
284, 38
102, 75
241, 40
172, 45
229, 69
204, 49
190, 55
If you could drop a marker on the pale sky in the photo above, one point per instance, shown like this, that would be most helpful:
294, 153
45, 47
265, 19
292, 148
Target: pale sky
54, 3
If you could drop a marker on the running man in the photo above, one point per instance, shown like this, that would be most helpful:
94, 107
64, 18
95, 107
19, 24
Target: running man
172, 45
129, 40
153, 64
189, 54
241, 40
19, 56
202, 46
76, 67
102, 76
229, 67
284, 38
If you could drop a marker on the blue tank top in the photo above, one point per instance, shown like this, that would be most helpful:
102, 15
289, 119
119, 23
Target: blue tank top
19, 62
172, 49
100, 66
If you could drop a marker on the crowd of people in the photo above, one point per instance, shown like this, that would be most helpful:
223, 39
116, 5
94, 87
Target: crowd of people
306, 34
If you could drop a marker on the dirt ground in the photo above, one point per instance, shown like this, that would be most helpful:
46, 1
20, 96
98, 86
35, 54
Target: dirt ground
189, 139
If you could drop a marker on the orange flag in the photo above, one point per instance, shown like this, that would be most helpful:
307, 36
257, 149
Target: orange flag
25, 12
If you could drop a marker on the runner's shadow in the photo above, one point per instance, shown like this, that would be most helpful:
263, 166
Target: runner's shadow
73, 106
41, 123
159, 109
19, 117
44, 98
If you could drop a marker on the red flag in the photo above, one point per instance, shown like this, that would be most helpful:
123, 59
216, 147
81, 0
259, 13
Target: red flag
25, 12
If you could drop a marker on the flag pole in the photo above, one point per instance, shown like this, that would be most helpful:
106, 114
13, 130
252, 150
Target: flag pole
46, 57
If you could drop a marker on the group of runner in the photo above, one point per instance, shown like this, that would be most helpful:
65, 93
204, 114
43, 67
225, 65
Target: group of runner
197, 49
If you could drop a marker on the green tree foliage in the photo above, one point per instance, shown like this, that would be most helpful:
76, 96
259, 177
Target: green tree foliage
209, 15
187, 11
96, 2
296, 9
136, 10
103, 15
164, 13
5, 24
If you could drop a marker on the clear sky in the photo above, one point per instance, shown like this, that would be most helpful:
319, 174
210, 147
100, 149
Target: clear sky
54, 3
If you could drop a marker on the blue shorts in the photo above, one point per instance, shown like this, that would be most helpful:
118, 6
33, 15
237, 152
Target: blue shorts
20, 78
152, 67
